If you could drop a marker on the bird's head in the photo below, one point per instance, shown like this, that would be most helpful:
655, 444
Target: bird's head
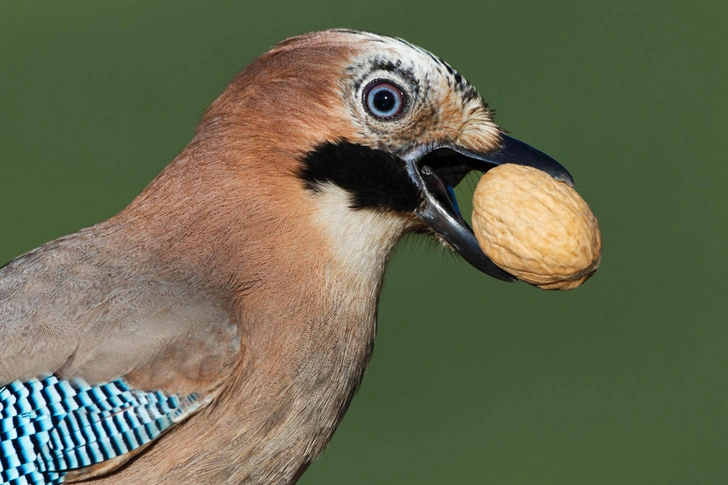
376, 133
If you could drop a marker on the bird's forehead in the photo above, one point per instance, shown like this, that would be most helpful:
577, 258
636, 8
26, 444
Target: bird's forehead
378, 52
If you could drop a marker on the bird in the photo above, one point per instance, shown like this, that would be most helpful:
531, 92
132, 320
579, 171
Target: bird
216, 329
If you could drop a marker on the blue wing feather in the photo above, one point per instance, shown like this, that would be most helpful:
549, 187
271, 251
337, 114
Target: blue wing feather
50, 426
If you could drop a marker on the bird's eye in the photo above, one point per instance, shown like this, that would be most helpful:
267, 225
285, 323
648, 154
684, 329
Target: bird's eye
384, 100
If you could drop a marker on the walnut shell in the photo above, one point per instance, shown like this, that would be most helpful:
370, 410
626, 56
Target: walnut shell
535, 227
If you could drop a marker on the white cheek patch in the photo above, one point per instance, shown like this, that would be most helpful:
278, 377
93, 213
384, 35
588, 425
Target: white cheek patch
361, 239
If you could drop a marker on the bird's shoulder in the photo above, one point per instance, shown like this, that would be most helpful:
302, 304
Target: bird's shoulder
80, 307
100, 354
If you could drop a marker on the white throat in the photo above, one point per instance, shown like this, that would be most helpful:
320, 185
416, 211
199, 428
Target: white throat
361, 239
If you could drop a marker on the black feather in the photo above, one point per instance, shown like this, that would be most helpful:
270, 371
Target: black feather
374, 178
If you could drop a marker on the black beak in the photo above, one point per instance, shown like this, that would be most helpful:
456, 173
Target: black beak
435, 170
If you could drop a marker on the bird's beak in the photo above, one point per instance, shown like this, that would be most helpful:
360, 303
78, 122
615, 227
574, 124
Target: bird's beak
435, 170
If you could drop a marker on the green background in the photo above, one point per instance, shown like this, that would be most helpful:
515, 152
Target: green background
472, 380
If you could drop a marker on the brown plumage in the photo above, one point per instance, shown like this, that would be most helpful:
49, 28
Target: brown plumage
234, 276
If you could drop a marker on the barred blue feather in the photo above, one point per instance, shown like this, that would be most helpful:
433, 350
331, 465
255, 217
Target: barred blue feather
50, 426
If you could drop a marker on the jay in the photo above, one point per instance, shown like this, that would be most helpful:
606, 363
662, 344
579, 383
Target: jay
215, 330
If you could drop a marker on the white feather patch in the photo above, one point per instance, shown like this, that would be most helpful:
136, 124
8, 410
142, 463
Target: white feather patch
361, 239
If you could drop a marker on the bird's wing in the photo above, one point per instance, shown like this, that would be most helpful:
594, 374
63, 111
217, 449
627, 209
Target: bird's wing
50, 427
97, 359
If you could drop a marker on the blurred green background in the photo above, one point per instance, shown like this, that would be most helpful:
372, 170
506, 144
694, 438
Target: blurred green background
472, 380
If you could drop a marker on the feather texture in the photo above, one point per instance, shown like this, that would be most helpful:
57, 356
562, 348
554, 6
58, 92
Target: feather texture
246, 275
49, 427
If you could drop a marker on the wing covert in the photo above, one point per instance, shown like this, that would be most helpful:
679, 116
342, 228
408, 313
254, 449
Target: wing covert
49, 427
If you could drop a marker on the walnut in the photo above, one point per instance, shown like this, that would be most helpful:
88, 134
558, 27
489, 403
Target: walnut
535, 227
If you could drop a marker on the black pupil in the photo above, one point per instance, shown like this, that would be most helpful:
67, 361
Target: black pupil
384, 100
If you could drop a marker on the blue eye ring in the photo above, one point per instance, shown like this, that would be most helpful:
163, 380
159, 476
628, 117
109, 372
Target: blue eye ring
384, 100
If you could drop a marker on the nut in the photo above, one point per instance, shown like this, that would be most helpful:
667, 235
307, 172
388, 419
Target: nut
535, 227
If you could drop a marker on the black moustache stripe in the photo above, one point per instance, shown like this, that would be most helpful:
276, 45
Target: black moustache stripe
374, 178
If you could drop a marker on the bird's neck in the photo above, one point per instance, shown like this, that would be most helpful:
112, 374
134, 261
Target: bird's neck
305, 288
310, 347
